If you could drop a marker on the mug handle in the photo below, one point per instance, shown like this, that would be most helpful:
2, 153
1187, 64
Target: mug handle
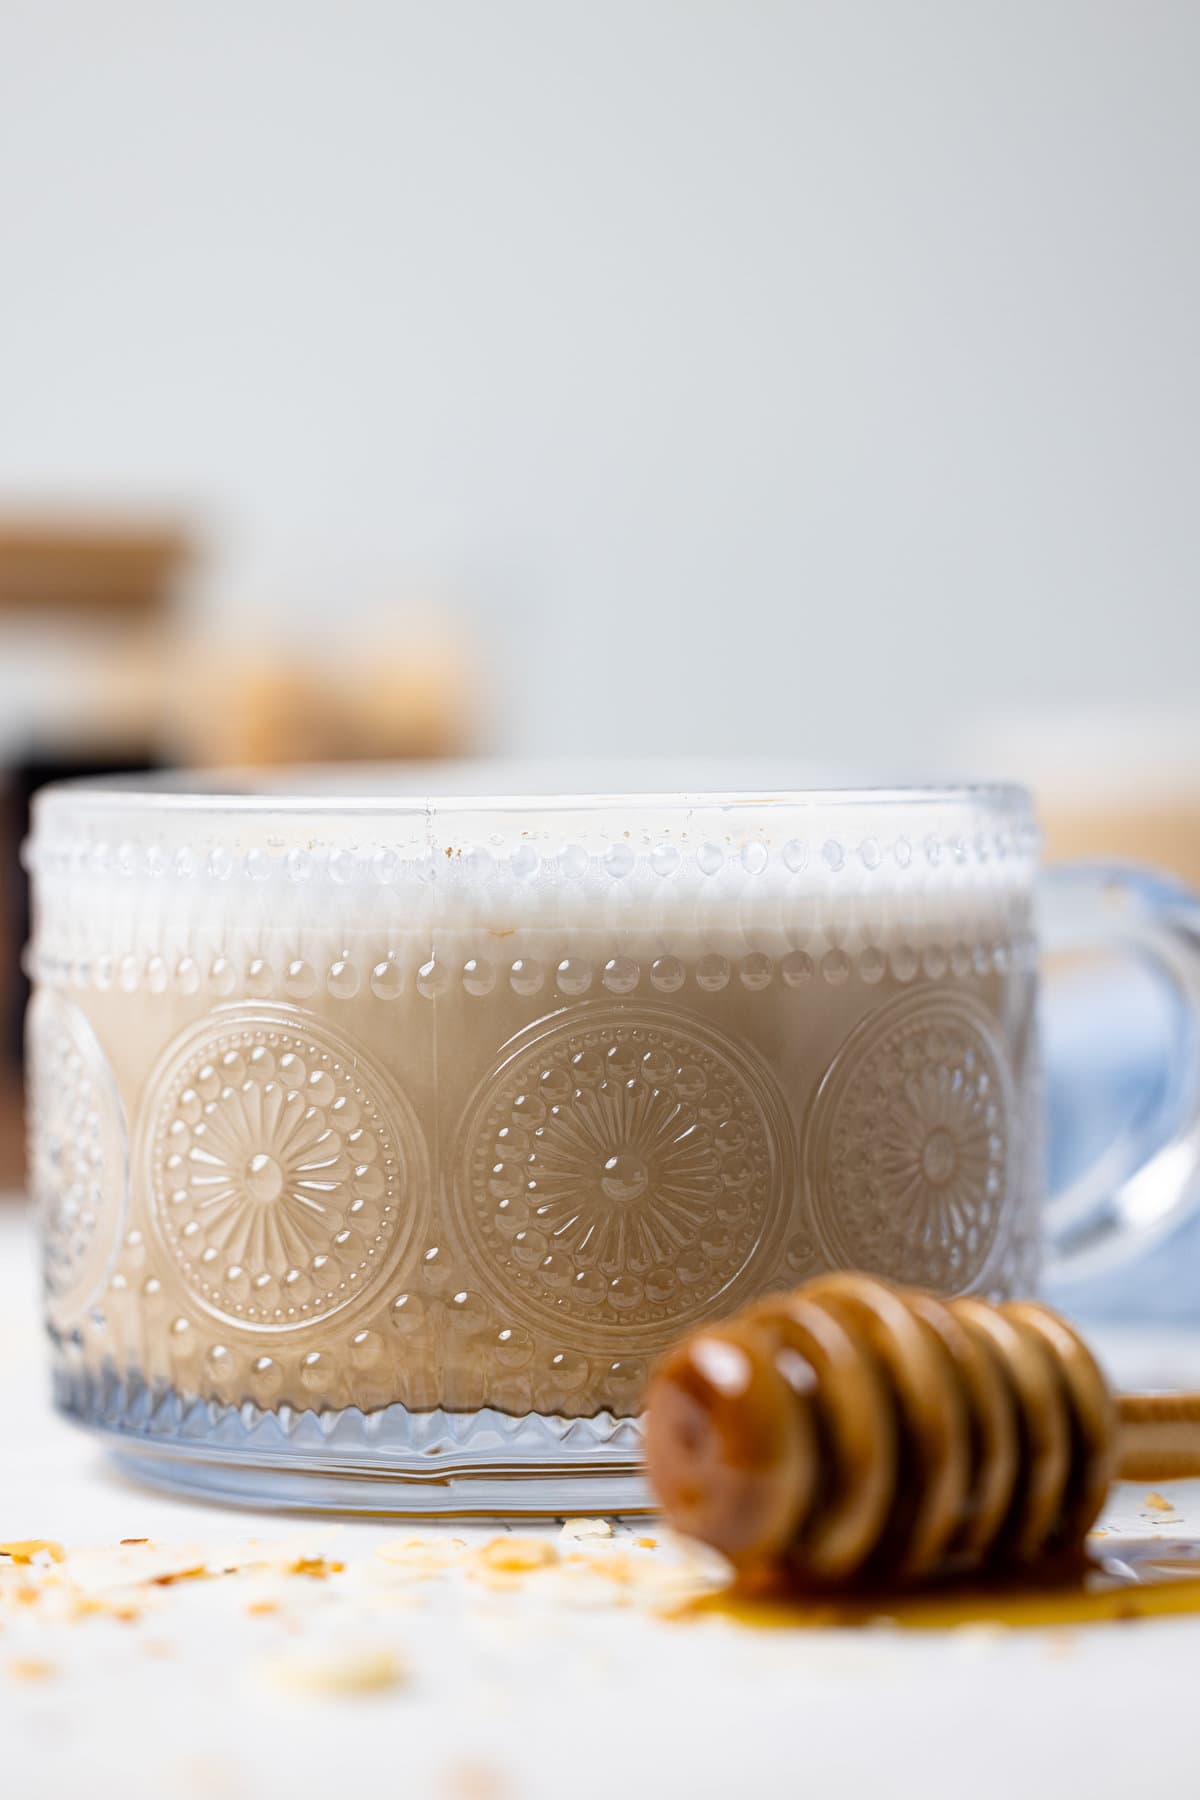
1143, 1178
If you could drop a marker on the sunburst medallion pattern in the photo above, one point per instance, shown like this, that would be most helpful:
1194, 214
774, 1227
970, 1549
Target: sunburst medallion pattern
78, 1154
908, 1156
285, 1173
623, 1170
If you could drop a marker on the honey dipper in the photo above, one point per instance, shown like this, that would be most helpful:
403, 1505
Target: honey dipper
852, 1430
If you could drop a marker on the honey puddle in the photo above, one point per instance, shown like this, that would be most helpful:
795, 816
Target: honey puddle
1135, 1578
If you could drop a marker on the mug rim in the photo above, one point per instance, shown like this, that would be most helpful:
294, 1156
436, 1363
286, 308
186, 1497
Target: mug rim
396, 791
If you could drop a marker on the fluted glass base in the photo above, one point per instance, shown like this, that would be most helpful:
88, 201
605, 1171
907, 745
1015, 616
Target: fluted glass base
392, 1461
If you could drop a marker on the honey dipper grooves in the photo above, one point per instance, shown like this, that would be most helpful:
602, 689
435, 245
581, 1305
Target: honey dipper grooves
853, 1431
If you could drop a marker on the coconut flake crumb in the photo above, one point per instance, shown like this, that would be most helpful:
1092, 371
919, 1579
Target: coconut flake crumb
421, 1556
576, 1530
24, 1550
516, 1555
474, 1781
349, 1669
31, 1668
317, 1568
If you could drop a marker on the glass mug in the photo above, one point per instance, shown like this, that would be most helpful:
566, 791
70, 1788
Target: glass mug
380, 1142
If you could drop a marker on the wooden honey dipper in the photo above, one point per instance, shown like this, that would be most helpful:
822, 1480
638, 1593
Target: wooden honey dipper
851, 1430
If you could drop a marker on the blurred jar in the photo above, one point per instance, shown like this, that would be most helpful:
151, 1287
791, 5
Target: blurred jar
88, 610
1113, 782
408, 693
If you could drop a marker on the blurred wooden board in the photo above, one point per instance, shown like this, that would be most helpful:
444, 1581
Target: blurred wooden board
12, 1131
1163, 833
88, 563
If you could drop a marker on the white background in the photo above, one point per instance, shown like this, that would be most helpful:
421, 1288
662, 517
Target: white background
806, 378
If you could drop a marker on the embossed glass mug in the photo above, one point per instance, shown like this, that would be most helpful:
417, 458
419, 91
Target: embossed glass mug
380, 1141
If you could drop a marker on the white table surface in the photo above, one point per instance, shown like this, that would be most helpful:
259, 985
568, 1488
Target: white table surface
525, 1695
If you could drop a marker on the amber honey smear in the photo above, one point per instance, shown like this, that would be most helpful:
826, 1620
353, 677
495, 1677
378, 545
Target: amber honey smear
1133, 1579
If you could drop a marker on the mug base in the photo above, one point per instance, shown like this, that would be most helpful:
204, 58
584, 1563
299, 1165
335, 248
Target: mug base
392, 1462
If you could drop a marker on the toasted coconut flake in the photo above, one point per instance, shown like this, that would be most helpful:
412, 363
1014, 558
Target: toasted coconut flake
516, 1555
1159, 1503
31, 1668
575, 1530
109, 1568
173, 1575
618, 1567
23, 1550
646, 1543
474, 1781
316, 1568
351, 1669
421, 1555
